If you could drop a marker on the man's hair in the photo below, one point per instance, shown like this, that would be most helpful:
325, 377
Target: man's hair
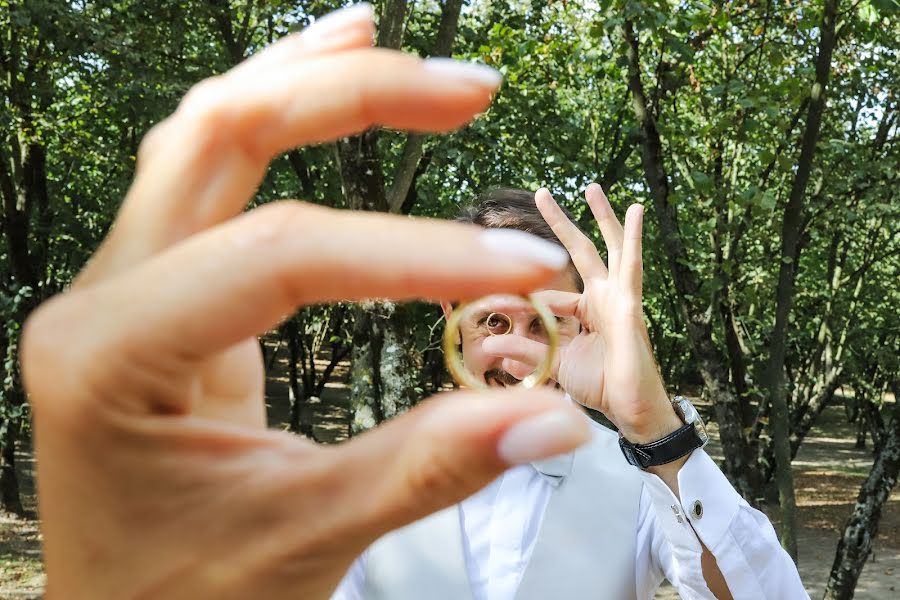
510, 208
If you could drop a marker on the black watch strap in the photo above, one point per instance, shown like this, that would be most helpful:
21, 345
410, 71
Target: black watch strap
672, 447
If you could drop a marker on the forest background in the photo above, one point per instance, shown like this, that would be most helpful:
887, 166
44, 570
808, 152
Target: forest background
762, 135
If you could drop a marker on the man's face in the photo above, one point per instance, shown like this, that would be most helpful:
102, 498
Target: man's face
483, 320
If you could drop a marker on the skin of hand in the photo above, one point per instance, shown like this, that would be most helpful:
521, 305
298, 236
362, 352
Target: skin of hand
609, 365
156, 476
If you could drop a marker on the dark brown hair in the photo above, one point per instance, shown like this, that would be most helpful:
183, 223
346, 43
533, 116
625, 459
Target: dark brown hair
510, 208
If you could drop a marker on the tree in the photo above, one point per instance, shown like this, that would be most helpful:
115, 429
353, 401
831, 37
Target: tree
385, 369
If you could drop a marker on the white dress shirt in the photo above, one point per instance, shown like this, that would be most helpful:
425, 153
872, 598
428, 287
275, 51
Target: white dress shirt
500, 524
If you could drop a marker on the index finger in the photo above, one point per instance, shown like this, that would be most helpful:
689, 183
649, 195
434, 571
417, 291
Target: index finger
240, 278
583, 252
203, 165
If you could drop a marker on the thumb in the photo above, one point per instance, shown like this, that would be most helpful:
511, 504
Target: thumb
448, 448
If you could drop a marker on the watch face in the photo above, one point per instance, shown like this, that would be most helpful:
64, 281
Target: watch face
690, 415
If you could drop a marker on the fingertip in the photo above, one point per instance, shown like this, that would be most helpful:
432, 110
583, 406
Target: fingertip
477, 73
546, 204
544, 435
634, 219
594, 188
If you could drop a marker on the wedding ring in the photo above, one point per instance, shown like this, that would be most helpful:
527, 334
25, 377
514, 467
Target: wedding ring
466, 378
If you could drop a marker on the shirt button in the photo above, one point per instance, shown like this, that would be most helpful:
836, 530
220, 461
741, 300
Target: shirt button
697, 510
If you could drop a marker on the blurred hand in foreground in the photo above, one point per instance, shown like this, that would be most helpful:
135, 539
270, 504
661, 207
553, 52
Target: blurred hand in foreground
156, 475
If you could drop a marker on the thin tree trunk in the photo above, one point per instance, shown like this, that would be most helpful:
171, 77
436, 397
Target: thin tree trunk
415, 142
859, 533
294, 393
790, 251
9, 480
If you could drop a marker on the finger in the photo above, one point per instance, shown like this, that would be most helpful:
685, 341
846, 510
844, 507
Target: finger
610, 227
203, 164
517, 369
561, 304
520, 349
632, 268
242, 277
581, 249
444, 450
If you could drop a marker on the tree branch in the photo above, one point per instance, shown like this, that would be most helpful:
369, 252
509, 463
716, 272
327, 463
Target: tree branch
415, 142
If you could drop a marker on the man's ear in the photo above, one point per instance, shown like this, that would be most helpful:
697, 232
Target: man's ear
448, 308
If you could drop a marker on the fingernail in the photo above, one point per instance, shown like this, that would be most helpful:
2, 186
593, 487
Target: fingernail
479, 73
543, 436
339, 19
513, 242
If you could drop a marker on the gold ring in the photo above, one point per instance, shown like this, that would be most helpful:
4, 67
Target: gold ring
465, 378
504, 315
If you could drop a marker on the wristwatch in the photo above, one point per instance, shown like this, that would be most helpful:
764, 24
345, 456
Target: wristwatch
680, 442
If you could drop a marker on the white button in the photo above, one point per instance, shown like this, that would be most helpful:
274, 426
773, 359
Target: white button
697, 510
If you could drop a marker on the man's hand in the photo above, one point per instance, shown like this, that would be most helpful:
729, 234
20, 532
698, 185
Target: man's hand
609, 366
156, 477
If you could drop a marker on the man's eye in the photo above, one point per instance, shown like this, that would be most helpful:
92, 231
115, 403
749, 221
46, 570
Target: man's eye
498, 324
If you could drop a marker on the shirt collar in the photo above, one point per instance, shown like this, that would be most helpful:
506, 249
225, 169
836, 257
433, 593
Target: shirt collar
555, 468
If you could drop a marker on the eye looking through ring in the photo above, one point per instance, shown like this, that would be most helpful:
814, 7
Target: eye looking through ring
454, 359
498, 323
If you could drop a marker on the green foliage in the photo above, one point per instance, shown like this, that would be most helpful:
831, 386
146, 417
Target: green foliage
12, 408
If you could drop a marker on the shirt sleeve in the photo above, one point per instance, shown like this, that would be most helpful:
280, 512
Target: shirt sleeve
740, 537
352, 586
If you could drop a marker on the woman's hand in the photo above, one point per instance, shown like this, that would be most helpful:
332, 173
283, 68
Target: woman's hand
156, 477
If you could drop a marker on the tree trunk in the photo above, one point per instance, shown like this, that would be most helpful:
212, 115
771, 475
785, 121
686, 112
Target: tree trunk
363, 183
294, 393
401, 364
415, 142
9, 480
790, 253
384, 367
365, 375
802, 419
859, 534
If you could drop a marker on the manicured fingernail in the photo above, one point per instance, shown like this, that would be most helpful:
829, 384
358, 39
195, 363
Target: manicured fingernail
543, 436
523, 245
458, 69
339, 19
